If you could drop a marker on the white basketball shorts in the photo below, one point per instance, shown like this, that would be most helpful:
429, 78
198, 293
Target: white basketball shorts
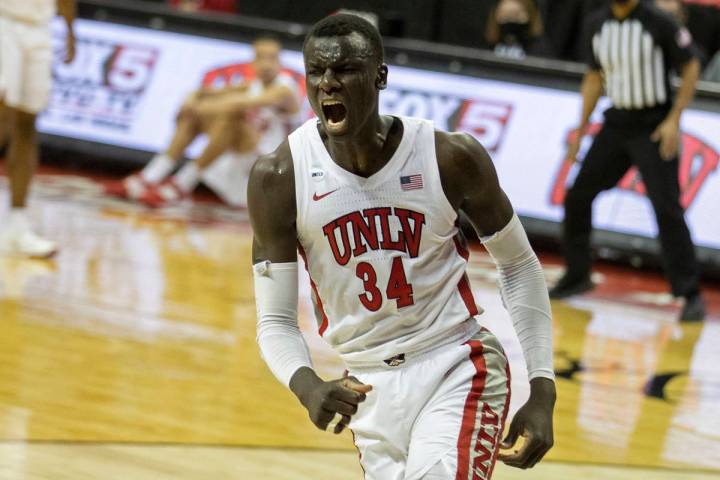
25, 65
439, 416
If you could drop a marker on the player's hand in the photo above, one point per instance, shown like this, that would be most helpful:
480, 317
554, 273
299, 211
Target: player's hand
533, 422
573, 146
69, 48
323, 400
668, 134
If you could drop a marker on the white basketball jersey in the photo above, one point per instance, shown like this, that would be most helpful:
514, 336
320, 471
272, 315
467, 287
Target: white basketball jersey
273, 125
385, 257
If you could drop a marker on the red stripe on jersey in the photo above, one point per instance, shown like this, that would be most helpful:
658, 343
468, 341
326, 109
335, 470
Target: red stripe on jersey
461, 248
324, 324
467, 295
467, 428
464, 283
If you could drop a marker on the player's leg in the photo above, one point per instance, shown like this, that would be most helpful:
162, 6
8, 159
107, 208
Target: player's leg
245, 136
604, 165
663, 190
458, 432
381, 428
221, 134
187, 128
26, 79
220, 138
4, 112
228, 175
4, 124
22, 155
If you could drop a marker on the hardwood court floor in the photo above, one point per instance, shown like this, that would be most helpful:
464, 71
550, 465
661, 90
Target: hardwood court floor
147, 462
132, 355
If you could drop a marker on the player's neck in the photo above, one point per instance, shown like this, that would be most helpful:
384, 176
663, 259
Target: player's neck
362, 153
623, 9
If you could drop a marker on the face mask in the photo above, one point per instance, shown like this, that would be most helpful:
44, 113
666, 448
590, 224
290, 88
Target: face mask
513, 32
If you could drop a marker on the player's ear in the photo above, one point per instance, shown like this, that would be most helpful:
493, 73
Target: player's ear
381, 79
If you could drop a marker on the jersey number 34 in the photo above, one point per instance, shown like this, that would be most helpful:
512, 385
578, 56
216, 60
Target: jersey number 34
397, 289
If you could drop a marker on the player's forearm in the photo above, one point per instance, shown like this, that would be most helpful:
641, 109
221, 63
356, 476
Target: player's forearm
243, 101
590, 90
688, 81
278, 335
214, 92
525, 296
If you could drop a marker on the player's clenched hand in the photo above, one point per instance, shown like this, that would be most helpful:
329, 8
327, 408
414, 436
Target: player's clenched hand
533, 422
323, 400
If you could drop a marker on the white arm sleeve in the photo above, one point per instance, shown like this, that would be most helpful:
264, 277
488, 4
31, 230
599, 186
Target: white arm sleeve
276, 296
525, 295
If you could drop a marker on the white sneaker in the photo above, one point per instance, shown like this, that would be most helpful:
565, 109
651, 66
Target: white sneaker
27, 244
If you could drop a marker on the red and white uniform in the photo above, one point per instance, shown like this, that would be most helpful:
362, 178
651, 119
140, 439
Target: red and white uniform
26, 53
273, 124
228, 175
387, 266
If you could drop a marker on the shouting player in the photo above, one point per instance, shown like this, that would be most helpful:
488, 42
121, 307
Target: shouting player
372, 203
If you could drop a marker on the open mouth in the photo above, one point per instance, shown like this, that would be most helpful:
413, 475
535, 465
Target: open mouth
334, 111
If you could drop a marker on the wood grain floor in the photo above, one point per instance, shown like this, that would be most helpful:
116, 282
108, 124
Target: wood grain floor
132, 355
144, 462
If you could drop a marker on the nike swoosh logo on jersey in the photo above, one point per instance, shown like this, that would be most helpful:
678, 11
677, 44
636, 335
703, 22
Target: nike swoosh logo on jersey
317, 197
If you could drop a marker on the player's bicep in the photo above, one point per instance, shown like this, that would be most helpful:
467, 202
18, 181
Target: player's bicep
484, 201
271, 203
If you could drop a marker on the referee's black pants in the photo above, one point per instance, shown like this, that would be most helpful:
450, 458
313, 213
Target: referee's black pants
614, 150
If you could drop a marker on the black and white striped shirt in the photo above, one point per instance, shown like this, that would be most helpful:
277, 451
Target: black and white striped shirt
636, 54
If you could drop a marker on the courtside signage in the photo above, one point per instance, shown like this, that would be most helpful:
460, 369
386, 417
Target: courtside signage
126, 84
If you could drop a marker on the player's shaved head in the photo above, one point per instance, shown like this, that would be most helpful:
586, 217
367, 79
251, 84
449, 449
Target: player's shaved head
346, 24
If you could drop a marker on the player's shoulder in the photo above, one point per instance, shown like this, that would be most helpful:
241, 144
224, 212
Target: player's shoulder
463, 163
273, 172
271, 192
458, 150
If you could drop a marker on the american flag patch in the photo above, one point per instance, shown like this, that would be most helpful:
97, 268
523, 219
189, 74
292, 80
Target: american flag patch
411, 182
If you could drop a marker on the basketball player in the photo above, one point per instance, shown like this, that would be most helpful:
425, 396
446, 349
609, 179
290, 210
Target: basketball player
252, 118
371, 202
25, 77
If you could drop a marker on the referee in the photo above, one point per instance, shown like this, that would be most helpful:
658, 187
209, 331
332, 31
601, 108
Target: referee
632, 48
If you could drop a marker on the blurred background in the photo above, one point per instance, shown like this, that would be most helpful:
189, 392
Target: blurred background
458, 62
131, 354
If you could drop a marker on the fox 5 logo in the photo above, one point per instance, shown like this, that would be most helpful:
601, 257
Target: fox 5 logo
118, 67
486, 120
